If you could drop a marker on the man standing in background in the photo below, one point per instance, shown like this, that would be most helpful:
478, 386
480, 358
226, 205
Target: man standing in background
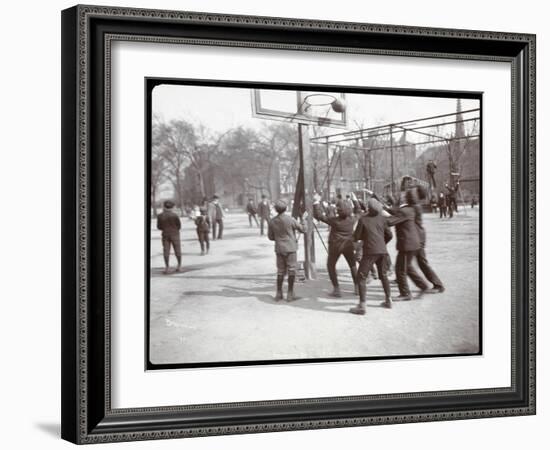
251, 211
217, 215
442, 204
264, 211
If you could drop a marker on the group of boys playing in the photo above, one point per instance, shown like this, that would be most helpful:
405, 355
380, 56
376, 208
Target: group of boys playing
367, 223
353, 222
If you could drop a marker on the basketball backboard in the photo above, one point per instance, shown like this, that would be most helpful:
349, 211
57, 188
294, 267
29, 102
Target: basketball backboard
326, 109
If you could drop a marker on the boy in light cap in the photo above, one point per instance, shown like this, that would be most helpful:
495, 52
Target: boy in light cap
282, 229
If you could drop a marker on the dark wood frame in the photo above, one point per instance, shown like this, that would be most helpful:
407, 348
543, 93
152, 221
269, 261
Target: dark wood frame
87, 33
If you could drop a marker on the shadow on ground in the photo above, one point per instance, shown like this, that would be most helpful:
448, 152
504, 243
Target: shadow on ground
318, 298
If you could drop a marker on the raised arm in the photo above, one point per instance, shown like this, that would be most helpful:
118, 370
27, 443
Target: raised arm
397, 219
319, 214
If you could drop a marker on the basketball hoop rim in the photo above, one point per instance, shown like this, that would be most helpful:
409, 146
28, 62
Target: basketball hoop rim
323, 99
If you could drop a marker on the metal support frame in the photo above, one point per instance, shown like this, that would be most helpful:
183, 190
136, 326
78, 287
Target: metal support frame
341, 139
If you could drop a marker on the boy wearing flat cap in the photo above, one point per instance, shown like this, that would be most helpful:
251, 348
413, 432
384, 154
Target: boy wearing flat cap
282, 229
169, 223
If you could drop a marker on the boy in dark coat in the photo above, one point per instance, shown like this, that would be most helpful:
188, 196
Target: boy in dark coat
202, 223
408, 245
372, 229
169, 223
282, 229
340, 241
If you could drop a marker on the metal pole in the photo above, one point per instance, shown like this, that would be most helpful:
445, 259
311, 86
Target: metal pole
391, 158
341, 169
308, 188
307, 193
328, 170
370, 170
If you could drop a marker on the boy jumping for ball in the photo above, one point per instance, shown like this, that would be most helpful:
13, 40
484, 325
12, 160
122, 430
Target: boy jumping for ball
282, 229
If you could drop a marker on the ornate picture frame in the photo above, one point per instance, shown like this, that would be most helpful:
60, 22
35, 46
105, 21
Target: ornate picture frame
87, 413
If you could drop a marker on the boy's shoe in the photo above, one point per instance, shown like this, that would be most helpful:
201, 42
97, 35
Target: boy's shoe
359, 310
290, 297
335, 292
428, 291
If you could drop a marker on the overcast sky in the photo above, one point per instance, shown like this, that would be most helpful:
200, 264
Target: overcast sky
221, 108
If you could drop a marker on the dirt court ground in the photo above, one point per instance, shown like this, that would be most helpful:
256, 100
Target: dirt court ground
221, 307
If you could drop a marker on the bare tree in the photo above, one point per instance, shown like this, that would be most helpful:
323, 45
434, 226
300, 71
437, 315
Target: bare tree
456, 147
158, 176
174, 141
181, 145
158, 164
276, 141
252, 158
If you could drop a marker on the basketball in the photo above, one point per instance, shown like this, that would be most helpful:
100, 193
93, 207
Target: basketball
338, 106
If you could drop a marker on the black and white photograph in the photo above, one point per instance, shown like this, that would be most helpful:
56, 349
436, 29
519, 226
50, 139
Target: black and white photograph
291, 223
